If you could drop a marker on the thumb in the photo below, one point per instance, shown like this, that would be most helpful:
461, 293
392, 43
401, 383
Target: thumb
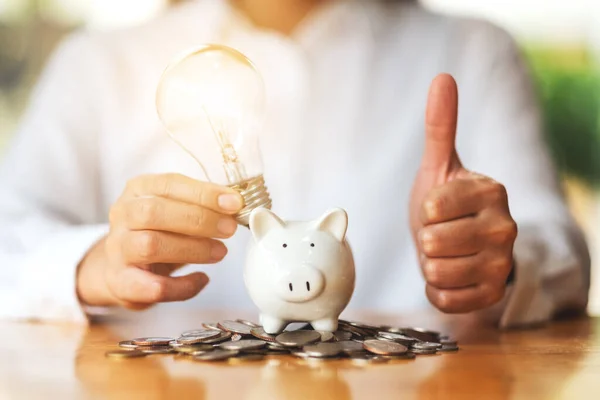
440, 126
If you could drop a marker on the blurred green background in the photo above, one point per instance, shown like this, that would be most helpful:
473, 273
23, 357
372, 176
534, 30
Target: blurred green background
569, 87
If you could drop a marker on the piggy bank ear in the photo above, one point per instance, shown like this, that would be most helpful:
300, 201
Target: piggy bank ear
262, 221
335, 222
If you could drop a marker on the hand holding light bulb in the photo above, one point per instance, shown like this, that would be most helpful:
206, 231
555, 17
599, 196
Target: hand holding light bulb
211, 104
159, 224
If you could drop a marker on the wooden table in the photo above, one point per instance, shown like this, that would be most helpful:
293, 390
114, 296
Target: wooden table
559, 361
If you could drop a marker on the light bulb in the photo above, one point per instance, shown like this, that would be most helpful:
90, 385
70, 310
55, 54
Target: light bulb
211, 103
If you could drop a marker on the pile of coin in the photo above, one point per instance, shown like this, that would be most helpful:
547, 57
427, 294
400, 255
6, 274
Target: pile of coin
241, 340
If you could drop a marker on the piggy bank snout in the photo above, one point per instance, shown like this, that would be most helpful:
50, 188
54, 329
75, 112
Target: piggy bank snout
300, 284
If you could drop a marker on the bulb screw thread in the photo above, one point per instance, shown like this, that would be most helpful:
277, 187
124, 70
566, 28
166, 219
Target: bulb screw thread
255, 194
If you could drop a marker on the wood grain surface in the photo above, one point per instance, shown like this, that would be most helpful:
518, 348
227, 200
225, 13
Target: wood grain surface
56, 361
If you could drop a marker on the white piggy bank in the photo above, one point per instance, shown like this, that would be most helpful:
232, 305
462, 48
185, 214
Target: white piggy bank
299, 271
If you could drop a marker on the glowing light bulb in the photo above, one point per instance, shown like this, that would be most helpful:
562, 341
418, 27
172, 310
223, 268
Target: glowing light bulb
211, 102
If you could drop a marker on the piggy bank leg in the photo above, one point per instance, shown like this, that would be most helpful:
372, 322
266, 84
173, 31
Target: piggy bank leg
326, 325
272, 325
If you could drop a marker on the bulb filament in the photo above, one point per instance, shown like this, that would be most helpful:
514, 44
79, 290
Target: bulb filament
234, 170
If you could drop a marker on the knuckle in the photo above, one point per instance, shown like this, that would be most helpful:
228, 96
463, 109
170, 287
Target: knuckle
497, 192
506, 232
433, 208
430, 242
432, 271
162, 184
145, 211
147, 245
501, 267
199, 218
203, 192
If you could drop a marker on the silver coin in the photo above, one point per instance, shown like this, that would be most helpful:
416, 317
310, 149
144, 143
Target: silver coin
211, 325
382, 347
223, 336
354, 330
152, 341
327, 336
340, 336
449, 348
361, 325
242, 345
396, 337
235, 337
448, 342
196, 332
351, 346
249, 323
199, 352
276, 347
261, 334
128, 344
424, 351
421, 334
215, 355
323, 349
423, 330
425, 346
298, 338
201, 336
235, 327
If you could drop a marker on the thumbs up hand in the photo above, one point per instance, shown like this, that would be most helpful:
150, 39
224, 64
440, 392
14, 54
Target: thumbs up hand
460, 220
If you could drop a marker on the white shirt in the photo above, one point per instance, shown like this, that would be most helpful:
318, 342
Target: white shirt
346, 96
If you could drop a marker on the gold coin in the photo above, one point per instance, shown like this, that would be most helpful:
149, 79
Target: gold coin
124, 354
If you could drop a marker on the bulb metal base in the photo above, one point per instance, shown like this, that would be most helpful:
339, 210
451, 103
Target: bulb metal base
255, 194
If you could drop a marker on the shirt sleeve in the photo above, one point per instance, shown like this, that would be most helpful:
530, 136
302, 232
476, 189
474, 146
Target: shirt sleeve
506, 142
49, 189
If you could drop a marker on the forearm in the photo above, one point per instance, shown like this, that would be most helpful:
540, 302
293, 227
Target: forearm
39, 281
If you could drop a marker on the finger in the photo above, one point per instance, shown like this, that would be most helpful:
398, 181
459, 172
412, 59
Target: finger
453, 272
461, 237
137, 286
456, 199
151, 247
440, 125
163, 214
464, 300
182, 188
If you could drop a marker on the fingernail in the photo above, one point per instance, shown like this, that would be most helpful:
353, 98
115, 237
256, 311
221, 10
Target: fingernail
227, 226
218, 251
230, 202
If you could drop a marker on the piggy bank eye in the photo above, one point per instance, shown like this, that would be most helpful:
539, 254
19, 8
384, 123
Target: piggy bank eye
284, 245
312, 245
